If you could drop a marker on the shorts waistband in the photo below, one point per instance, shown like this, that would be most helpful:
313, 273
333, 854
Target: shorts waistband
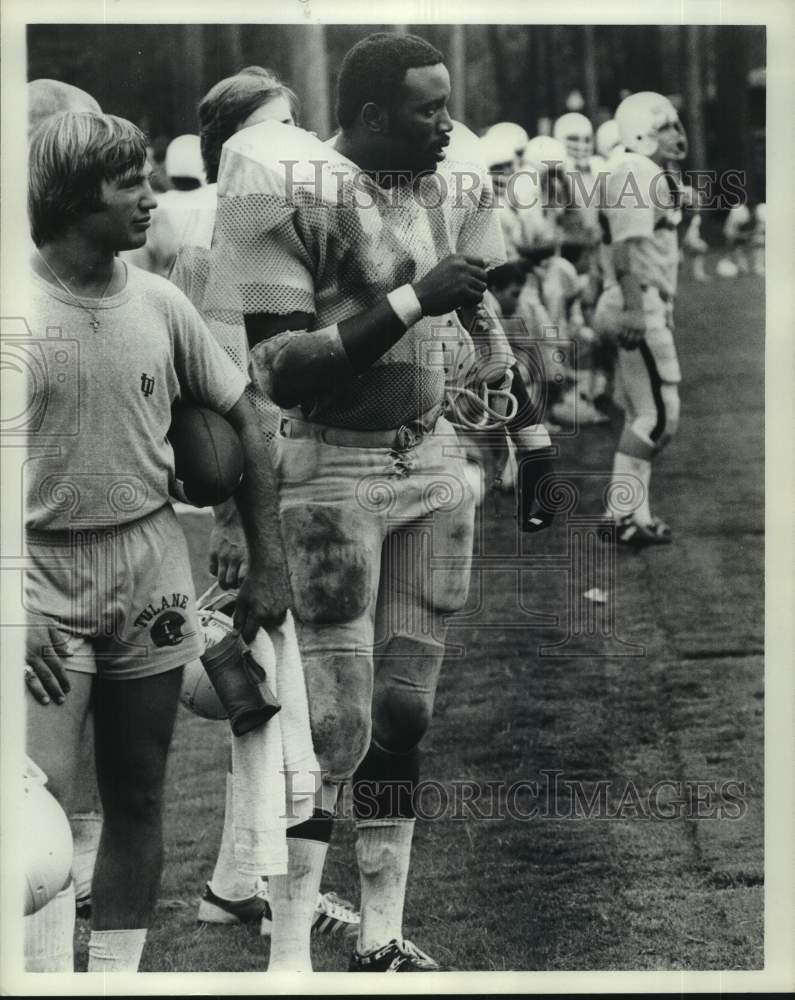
89, 534
402, 438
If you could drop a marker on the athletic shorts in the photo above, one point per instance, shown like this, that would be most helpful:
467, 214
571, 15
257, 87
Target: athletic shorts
122, 595
659, 340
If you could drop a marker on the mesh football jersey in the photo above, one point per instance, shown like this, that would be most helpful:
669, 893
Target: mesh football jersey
300, 228
190, 272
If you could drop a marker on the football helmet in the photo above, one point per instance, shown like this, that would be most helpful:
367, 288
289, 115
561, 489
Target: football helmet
543, 153
184, 158
649, 124
503, 143
47, 846
576, 133
215, 609
607, 139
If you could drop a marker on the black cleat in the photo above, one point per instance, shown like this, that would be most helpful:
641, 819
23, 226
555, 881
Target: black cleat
394, 957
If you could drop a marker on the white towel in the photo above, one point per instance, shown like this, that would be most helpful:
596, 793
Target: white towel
275, 771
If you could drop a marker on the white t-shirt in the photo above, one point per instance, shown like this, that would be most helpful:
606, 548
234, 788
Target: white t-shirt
101, 403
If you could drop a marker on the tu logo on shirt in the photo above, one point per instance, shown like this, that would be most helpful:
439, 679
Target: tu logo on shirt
147, 384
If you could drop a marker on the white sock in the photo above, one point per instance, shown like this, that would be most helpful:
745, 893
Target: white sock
227, 882
293, 898
631, 479
86, 832
116, 951
49, 935
383, 853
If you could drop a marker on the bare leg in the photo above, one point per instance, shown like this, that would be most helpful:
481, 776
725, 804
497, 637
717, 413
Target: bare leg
134, 721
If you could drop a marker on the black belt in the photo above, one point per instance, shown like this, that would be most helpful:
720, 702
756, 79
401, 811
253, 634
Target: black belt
401, 438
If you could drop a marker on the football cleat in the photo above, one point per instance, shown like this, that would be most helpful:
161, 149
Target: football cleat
217, 910
394, 957
630, 533
332, 914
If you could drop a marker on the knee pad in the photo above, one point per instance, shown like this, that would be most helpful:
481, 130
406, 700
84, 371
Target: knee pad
341, 735
405, 688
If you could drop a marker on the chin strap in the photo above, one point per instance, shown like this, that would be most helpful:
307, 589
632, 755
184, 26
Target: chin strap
460, 399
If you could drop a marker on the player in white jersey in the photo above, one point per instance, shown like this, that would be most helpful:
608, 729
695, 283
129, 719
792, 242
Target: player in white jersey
643, 213
350, 263
253, 95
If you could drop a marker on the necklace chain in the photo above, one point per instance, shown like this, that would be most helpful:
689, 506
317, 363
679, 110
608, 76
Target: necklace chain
71, 294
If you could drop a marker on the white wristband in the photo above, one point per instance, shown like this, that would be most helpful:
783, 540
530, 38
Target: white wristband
405, 305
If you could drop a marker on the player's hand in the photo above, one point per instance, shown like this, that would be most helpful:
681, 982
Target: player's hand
45, 673
228, 550
262, 602
632, 328
456, 281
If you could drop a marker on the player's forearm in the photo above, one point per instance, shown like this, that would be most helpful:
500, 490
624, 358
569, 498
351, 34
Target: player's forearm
256, 499
630, 282
298, 365
258, 507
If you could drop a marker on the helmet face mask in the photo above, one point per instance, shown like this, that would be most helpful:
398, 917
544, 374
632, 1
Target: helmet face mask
576, 133
649, 124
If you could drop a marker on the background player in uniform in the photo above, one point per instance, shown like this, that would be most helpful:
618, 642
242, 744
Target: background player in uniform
253, 95
643, 214
342, 303
109, 592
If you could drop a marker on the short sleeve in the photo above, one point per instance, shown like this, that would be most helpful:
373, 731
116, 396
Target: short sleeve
267, 242
206, 373
629, 210
480, 234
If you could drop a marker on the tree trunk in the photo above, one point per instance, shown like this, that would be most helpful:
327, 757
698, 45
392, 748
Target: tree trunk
590, 72
309, 76
457, 65
694, 97
234, 46
189, 79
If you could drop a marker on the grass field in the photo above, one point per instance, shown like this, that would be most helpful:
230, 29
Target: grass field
558, 892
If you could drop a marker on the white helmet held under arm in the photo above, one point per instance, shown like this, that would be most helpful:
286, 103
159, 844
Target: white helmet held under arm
46, 843
649, 124
575, 131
